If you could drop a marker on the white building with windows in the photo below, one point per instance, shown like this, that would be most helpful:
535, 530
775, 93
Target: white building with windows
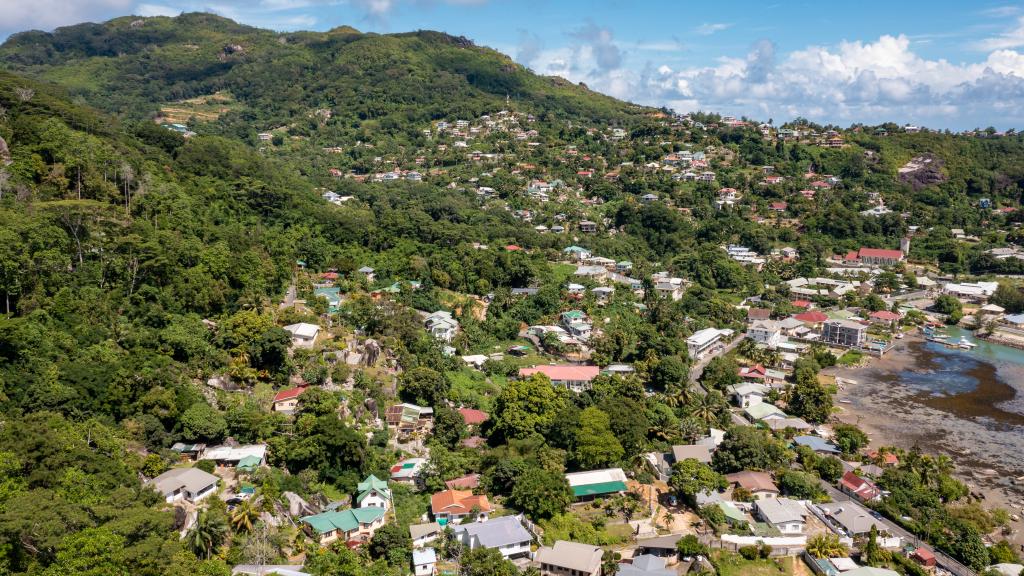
703, 341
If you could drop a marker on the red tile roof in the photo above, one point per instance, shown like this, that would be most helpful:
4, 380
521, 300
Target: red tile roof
858, 486
812, 317
289, 394
563, 372
801, 303
467, 482
472, 416
755, 371
880, 253
458, 502
885, 315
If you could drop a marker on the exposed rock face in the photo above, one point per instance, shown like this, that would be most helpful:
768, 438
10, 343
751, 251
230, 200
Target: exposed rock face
5, 153
921, 171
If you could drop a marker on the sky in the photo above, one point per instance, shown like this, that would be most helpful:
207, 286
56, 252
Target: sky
941, 64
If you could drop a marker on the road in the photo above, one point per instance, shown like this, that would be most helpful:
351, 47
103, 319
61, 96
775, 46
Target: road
698, 369
943, 560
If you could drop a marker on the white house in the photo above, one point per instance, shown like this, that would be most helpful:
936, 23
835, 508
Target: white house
423, 534
303, 334
442, 325
767, 332
190, 484
704, 340
505, 534
424, 562
748, 394
787, 516
373, 493
570, 559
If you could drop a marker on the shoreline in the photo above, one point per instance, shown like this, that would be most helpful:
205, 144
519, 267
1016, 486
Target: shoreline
970, 425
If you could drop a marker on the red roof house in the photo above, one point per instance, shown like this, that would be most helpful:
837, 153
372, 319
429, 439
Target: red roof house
288, 400
755, 372
860, 488
923, 557
568, 375
811, 317
467, 482
801, 303
456, 504
885, 316
472, 416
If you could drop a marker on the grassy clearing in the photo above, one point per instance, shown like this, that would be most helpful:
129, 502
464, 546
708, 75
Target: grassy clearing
730, 564
203, 108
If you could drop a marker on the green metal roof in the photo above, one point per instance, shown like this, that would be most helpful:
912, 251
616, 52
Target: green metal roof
599, 488
249, 462
732, 512
371, 484
344, 520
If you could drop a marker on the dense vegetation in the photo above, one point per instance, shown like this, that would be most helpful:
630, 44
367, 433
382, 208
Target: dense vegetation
136, 264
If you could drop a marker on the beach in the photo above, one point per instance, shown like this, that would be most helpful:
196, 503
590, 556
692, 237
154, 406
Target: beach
968, 405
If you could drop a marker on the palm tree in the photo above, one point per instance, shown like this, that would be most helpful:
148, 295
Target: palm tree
207, 535
244, 516
826, 546
678, 394
707, 408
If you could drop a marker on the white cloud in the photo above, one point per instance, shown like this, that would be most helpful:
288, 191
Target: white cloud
707, 29
49, 14
156, 10
1012, 38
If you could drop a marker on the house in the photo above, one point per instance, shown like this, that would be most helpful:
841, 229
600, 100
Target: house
569, 559
860, 488
189, 452
423, 534
790, 422
763, 411
237, 456
879, 257
472, 416
577, 253
424, 562
408, 471
442, 325
759, 484
269, 570
812, 318
287, 401
189, 484
571, 376
851, 518
924, 557
373, 493
971, 291
409, 418
885, 317
787, 516
596, 273
368, 273
588, 226
662, 547
467, 482
505, 534
596, 483
703, 341
816, 443
645, 565
871, 571
450, 506
748, 394
758, 314
303, 334
844, 333
353, 526
766, 332
602, 294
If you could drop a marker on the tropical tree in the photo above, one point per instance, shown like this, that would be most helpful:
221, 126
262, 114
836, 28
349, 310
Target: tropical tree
208, 534
244, 516
826, 546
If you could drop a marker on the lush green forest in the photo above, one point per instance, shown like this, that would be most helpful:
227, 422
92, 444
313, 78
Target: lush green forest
136, 264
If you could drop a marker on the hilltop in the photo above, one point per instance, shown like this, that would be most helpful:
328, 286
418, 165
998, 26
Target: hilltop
131, 66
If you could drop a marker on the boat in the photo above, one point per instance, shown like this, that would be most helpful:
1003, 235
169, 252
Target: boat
965, 343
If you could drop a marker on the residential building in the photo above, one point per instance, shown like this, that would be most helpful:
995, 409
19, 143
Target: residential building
760, 484
587, 226
860, 488
287, 401
303, 334
766, 332
596, 483
450, 506
408, 471
373, 493
645, 565
189, 484
816, 443
748, 394
844, 333
409, 418
571, 376
353, 526
442, 325
570, 559
787, 516
505, 534
246, 455
703, 341
423, 534
851, 518
424, 562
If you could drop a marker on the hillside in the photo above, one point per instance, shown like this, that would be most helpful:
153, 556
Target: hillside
130, 66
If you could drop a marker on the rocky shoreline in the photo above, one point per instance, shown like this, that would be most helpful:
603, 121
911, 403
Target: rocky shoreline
981, 428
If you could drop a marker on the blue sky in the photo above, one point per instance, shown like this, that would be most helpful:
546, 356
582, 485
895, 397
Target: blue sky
942, 64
